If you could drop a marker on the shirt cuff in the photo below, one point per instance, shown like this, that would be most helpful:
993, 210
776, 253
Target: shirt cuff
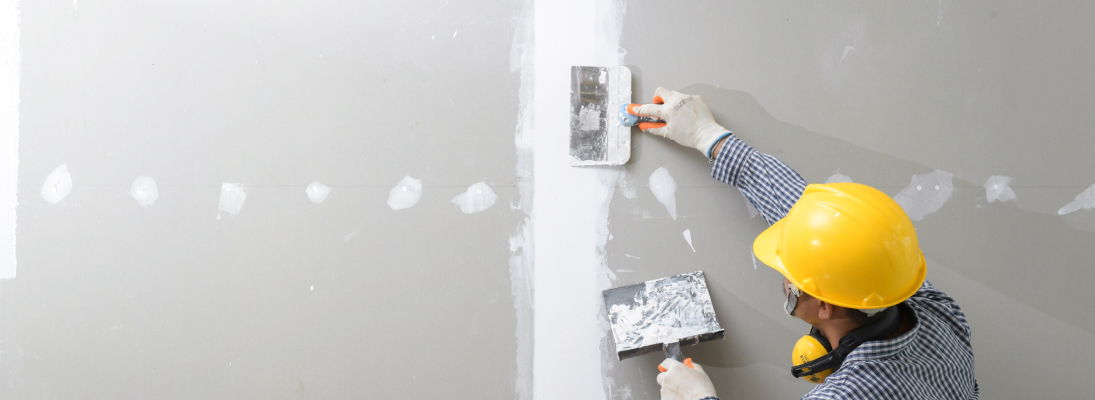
732, 159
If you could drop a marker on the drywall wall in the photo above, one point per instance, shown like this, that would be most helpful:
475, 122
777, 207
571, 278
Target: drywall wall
285, 200
935, 103
214, 202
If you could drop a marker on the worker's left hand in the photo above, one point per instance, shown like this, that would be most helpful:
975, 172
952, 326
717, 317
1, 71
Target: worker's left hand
682, 383
688, 121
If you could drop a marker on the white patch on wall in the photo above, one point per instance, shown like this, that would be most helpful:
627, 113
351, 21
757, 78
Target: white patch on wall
665, 190
926, 194
405, 193
997, 189
1083, 201
688, 238
477, 198
232, 197
317, 192
838, 178
57, 185
847, 49
144, 190
629, 188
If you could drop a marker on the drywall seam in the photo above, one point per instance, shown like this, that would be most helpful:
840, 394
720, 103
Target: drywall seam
570, 206
10, 64
521, 262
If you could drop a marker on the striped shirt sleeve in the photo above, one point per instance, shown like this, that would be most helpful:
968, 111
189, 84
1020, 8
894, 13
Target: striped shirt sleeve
769, 184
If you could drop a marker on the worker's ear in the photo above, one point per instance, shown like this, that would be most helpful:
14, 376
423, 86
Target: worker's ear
825, 310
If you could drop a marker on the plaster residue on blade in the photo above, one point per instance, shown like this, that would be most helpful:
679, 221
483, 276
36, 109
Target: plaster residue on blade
659, 311
588, 112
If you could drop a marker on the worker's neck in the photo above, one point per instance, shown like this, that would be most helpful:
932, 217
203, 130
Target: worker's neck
834, 329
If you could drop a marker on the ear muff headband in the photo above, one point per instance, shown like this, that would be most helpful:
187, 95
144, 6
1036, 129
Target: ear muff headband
881, 328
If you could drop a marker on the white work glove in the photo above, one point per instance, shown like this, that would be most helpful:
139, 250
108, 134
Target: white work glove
682, 383
688, 120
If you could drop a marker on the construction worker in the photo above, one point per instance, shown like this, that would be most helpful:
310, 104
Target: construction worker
852, 269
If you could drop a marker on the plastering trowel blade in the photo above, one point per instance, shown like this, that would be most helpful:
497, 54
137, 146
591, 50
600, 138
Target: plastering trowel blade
596, 135
659, 314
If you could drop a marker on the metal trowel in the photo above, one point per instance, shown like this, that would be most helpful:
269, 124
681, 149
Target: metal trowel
597, 137
662, 314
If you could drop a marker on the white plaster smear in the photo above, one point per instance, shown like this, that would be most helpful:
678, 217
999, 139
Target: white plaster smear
926, 194
665, 190
10, 64
1083, 201
997, 189
477, 198
688, 238
570, 209
589, 119
232, 197
144, 190
405, 194
317, 192
57, 185
838, 178
521, 258
628, 187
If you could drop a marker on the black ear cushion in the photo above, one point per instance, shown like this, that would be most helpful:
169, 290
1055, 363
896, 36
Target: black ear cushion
821, 339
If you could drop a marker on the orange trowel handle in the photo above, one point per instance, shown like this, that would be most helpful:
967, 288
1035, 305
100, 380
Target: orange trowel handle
687, 361
647, 125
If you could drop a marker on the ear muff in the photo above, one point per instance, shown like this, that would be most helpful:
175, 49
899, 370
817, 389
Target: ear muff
810, 348
814, 359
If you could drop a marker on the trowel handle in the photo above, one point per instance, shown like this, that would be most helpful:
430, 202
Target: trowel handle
673, 350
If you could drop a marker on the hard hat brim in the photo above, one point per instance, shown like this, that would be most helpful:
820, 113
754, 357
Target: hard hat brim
765, 248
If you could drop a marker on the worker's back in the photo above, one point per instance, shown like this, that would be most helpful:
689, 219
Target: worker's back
933, 360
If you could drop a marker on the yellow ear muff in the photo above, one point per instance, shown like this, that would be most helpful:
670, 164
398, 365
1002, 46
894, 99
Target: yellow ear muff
807, 349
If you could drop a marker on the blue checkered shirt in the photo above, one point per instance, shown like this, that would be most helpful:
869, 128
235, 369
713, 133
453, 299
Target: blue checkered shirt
933, 360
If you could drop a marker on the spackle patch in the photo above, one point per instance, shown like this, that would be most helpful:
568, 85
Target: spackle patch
232, 198
688, 238
665, 190
317, 192
405, 193
1083, 201
57, 185
926, 194
589, 119
847, 49
997, 189
477, 198
838, 178
144, 190
628, 188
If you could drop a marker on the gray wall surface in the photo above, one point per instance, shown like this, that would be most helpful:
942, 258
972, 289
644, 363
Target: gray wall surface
352, 299
879, 92
286, 299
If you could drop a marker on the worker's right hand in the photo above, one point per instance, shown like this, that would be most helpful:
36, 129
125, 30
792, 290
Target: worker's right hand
682, 383
688, 121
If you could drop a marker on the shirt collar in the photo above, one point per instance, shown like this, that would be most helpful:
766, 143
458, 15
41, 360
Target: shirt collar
879, 349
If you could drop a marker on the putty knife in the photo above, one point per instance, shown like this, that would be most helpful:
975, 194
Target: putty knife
662, 314
596, 135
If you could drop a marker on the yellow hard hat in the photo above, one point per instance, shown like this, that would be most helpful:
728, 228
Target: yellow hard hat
846, 244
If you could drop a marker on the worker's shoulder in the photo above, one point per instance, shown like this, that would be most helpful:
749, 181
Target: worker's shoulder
928, 298
938, 316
